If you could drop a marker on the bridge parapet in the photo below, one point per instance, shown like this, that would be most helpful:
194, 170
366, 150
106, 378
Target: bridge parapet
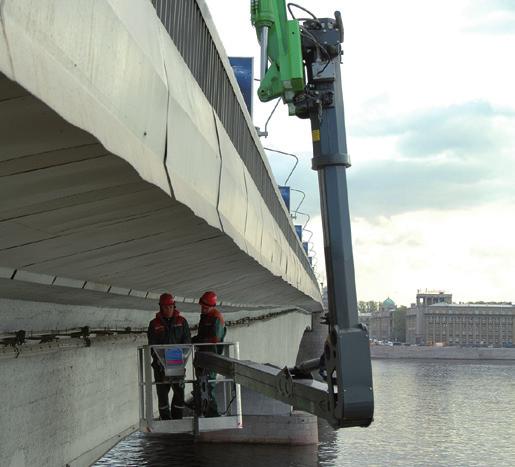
191, 28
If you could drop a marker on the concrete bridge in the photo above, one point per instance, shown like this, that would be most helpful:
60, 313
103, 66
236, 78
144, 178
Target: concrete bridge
129, 165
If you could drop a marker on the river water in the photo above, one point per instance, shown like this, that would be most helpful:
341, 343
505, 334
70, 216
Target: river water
428, 413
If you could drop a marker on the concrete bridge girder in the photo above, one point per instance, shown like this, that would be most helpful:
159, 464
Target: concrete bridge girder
93, 64
78, 211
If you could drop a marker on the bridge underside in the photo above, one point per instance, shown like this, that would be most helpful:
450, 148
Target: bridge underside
75, 218
128, 166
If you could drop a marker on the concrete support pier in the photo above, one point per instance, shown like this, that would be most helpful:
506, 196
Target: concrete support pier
266, 421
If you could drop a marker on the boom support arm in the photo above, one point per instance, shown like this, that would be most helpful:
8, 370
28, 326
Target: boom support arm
303, 394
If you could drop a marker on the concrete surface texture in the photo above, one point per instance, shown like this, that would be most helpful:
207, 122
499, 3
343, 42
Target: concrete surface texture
43, 316
70, 406
118, 174
295, 429
59, 405
274, 341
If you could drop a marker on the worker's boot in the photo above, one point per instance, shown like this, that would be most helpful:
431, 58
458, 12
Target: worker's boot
177, 411
164, 413
212, 410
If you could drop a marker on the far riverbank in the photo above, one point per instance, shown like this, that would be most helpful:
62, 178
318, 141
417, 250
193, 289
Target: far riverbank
444, 353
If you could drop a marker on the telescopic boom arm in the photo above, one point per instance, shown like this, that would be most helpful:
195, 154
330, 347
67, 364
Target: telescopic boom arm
305, 71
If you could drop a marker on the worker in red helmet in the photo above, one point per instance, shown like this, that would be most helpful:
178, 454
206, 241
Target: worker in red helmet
168, 327
211, 329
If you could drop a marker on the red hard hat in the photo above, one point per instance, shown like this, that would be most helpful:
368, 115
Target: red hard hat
208, 299
166, 299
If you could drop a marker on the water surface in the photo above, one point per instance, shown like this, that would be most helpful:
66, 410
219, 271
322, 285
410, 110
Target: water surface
428, 413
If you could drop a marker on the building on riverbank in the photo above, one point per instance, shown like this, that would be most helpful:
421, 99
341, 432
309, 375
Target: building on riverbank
435, 319
381, 321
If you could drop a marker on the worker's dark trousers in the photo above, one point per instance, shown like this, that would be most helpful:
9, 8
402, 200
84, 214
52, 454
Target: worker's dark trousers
163, 390
212, 408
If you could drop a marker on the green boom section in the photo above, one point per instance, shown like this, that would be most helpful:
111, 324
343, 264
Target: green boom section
285, 75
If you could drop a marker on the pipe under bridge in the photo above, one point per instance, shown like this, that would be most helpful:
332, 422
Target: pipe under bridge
129, 165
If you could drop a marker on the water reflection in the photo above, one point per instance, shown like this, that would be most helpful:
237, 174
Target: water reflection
427, 414
164, 450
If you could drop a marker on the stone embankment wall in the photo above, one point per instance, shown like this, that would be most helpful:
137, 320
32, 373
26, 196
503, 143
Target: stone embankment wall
67, 406
450, 353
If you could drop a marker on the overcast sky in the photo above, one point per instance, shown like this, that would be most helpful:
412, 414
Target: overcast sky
430, 113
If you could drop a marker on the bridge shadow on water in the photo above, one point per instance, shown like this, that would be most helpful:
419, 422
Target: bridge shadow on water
156, 450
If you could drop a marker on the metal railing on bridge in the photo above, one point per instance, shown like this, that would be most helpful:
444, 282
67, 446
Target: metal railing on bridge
187, 28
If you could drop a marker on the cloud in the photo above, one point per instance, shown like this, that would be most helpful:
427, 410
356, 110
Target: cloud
478, 7
499, 25
443, 158
392, 187
464, 130
467, 128
436, 249
493, 17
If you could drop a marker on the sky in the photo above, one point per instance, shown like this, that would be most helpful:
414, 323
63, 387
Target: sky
430, 113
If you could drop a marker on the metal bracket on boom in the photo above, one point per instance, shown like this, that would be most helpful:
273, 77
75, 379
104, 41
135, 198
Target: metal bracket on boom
281, 42
348, 398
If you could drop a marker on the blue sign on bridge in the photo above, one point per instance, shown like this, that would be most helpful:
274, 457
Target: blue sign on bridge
243, 70
285, 193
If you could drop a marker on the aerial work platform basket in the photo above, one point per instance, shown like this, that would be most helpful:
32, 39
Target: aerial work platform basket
177, 364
